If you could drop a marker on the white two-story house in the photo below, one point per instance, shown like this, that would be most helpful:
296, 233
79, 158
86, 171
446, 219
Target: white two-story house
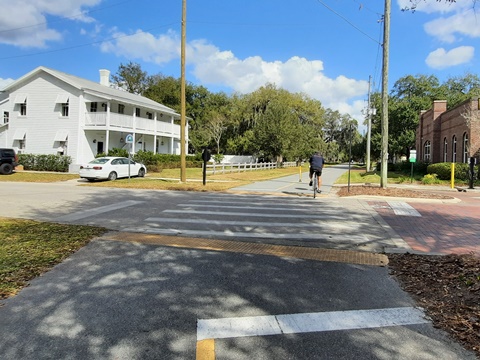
51, 112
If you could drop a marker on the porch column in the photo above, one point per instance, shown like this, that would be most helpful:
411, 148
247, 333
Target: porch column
172, 136
134, 145
107, 133
155, 132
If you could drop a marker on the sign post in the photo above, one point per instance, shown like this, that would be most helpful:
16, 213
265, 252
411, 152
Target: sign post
412, 159
129, 140
206, 156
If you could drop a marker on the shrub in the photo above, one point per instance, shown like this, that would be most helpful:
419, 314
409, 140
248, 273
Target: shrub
443, 170
115, 152
218, 158
58, 163
157, 162
430, 179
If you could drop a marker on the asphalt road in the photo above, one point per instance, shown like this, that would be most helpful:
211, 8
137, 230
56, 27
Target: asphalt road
129, 300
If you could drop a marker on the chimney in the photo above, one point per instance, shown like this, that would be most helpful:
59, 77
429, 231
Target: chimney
105, 77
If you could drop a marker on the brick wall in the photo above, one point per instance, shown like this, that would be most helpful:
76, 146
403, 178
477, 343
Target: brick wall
439, 126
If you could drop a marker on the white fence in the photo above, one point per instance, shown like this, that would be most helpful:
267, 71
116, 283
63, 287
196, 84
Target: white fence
229, 168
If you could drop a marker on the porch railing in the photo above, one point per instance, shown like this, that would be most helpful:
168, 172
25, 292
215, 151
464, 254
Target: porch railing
127, 122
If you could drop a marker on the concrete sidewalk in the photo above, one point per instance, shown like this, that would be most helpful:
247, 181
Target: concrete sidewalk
296, 184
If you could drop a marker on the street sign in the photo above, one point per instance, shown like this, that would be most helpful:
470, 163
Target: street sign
129, 139
413, 156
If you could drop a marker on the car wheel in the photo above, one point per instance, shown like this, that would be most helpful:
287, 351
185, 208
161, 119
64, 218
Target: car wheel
112, 176
6, 169
141, 172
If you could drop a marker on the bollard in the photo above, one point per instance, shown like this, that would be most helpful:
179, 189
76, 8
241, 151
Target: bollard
452, 176
300, 174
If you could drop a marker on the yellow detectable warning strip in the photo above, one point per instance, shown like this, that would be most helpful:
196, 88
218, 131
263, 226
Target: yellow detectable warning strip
308, 253
206, 349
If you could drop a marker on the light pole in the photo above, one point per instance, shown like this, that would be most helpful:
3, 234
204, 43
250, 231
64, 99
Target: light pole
384, 148
349, 157
369, 126
183, 162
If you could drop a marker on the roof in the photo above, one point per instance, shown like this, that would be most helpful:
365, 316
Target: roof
96, 89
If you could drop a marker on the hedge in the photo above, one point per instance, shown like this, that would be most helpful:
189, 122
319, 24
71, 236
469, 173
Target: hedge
58, 163
444, 170
157, 162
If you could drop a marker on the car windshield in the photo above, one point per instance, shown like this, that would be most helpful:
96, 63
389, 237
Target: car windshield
99, 161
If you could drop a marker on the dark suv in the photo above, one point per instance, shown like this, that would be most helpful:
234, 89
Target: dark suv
8, 161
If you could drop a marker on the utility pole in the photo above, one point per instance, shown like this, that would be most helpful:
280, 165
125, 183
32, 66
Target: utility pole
369, 125
386, 44
183, 162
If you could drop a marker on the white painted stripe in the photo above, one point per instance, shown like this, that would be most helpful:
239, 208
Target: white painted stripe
308, 322
224, 213
242, 207
403, 209
315, 224
99, 210
342, 238
304, 204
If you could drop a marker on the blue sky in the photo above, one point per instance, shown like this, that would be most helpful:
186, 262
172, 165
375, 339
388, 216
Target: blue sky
324, 48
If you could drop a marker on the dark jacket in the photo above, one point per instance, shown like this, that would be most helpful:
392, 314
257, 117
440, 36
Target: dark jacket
316, 162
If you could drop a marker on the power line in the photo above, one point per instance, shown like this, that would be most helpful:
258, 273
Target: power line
64, 18
348, 22
83, 45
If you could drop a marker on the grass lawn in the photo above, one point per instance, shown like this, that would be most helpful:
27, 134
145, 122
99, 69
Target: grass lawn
45, 177
360, 176
29, 248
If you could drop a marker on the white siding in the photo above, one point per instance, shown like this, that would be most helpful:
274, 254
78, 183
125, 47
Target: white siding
43, 118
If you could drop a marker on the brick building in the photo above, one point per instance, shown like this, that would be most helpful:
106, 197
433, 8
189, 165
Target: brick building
449, 136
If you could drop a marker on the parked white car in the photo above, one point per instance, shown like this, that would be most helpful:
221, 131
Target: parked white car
111, 168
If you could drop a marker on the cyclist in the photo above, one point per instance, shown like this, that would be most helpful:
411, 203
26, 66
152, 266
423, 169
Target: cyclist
316, 165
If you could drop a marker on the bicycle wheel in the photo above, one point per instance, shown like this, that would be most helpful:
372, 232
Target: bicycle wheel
315, 184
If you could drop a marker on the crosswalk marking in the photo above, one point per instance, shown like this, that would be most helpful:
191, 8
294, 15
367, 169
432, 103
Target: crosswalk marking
99, 210
308, 322
315, 224
223, 213
403, 209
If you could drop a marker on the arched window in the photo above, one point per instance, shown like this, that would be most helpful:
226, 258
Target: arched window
445, 150
426, 151
465, 148
454, 148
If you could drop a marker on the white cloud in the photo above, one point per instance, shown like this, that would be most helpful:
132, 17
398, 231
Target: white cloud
5, 82
145, 46
212, 66
446, 29
441, 59
23, 23
297, 74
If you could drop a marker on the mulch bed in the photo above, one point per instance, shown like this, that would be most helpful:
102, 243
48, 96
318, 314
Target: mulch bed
356, 190
448, 288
